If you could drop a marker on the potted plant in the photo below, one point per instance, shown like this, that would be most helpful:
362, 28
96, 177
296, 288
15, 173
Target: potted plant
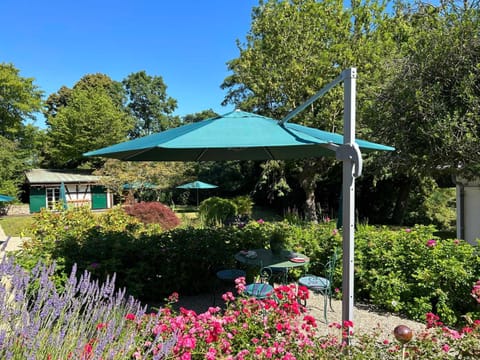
277, 240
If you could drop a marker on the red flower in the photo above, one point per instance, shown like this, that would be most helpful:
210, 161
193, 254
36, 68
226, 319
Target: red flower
101, 326
310, 320
348, 323
173, 298
432, 320
130, 316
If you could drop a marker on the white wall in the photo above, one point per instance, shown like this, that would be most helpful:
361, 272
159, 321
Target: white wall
78, 195
468, 210
472, 214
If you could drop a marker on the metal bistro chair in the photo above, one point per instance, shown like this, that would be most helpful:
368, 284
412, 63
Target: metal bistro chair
261, 289
322, 285
279, 275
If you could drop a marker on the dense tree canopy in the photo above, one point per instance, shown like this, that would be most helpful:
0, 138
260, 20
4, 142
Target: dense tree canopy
293, 49
20, 99
430, 108
149, 104
199, 116
144, 180
90, 120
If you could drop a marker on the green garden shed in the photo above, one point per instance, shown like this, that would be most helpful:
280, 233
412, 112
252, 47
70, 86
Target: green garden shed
81, 189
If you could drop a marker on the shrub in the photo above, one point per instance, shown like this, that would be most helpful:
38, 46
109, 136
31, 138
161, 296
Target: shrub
412, 271
104, 243
244, 205
215, 211
154, 213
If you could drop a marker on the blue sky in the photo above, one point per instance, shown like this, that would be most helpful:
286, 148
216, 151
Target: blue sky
186, 42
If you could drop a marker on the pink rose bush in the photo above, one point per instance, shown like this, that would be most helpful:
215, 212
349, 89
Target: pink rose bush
274, 328
281, 328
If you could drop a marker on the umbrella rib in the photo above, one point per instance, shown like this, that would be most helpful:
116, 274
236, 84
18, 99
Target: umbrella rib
199, 157
128, 157
298, 138
267, 150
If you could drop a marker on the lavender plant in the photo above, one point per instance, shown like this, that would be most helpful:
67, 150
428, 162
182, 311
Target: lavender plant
85, 320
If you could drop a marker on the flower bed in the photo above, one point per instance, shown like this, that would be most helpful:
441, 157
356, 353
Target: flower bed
87, 320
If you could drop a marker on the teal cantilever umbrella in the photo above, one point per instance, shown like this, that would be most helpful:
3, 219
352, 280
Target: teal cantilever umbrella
241, 135
198, 185
238, 135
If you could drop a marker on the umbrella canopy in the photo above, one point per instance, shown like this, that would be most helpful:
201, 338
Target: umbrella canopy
237, 135
197, 185
5, 198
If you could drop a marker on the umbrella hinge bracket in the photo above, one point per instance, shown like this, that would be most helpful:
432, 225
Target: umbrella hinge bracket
351, 152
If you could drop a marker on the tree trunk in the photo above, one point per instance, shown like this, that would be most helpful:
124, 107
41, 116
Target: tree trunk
401, 202
307, 179
310, 208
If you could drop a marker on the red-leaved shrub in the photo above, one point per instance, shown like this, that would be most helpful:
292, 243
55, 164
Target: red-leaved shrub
154, 213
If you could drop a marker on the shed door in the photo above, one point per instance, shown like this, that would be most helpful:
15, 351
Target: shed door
37, 199
99, 197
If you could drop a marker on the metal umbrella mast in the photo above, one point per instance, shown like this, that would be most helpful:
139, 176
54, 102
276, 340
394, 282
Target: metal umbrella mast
349, 153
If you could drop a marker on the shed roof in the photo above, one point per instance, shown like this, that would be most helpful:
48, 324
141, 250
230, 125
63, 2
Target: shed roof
50, 176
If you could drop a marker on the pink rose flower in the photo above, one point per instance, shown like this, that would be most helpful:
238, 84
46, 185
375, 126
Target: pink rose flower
431, 243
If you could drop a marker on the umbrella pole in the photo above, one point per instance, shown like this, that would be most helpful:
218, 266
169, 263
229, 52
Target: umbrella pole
352, 165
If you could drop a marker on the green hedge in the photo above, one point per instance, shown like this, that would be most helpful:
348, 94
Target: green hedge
412, 271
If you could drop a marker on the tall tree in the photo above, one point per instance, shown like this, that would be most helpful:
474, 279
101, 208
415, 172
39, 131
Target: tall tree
429, 108
293, 49
89, 121
149, 104
93, 82
199, 116
90, 115
89, 82
20, 99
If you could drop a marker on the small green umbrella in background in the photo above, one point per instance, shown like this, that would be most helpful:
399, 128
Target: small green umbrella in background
197, 185
63, 196
5, 198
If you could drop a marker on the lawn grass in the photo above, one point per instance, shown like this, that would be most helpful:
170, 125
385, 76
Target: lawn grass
16, 225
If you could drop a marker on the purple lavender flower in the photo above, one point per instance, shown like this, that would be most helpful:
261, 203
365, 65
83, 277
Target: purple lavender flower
46, 320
